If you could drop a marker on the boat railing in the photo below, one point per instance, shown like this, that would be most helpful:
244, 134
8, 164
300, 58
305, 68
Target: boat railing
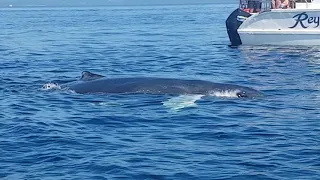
258, 6
300, 4
307, 3
266, 5
255, 6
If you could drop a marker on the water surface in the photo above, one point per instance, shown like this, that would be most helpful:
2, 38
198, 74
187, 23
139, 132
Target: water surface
56, 134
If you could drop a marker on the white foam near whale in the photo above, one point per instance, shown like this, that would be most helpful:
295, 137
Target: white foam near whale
226, 93
50, 86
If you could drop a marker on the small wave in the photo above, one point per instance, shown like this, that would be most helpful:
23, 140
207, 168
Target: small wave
227, 93
111, 103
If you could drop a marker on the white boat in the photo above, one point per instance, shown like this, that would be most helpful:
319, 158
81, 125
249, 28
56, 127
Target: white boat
256, 23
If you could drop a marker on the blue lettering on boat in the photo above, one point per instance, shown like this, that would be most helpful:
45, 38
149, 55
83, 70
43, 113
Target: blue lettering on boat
305, 21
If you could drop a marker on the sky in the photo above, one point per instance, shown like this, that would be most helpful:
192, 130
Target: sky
105, 2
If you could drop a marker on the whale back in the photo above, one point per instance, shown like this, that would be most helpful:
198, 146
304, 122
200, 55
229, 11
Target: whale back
89, 76
95, 83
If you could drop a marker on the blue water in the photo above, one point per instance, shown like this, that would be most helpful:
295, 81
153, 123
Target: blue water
57, 134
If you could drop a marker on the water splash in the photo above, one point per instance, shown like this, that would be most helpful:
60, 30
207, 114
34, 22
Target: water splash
227, 93
51, 86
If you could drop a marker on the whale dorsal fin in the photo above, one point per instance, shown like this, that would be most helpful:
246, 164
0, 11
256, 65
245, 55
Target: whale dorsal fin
89, 76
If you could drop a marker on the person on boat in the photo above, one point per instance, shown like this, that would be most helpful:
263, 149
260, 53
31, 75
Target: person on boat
254, 5
280, 4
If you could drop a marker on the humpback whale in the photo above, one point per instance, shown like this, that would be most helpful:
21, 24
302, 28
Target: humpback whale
95, 83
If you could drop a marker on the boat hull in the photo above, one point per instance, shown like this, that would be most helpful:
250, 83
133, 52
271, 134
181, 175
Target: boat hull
282, 27
276, 38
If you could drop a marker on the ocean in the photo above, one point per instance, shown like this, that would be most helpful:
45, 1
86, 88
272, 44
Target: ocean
53, 133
